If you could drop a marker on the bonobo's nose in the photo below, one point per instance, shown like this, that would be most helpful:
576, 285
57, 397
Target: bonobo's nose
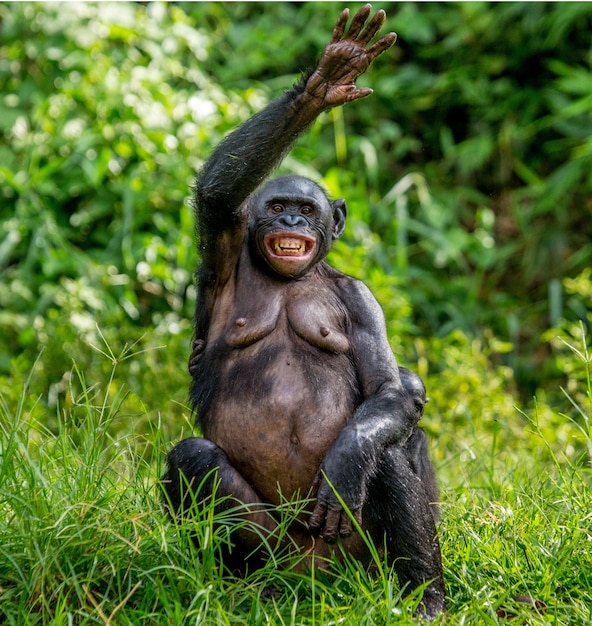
292, 221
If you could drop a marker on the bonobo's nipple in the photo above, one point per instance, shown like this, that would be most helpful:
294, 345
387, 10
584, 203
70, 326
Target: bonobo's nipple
241, 321
324, 331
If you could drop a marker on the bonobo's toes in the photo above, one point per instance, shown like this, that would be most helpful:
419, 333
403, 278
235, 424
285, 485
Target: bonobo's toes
270, 592
332, 524
432, 605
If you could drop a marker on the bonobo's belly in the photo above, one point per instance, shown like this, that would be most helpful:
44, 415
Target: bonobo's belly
276, 412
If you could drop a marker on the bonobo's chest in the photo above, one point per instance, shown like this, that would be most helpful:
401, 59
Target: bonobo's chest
306, 313
281, 379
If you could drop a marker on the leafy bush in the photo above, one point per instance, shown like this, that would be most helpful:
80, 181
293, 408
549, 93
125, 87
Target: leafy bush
470, 163
95, 226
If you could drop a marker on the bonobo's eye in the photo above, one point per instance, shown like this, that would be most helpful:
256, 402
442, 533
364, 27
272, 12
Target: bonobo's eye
277, 208
306, 210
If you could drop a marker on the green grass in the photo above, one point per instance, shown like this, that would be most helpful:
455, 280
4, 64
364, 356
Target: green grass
85, 539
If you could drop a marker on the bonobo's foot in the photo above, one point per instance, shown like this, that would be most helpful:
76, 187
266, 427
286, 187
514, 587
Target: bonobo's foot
432, 604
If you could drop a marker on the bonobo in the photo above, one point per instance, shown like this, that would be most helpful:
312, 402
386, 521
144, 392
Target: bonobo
296, 389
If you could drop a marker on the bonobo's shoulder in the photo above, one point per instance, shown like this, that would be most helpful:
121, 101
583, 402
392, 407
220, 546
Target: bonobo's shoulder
355, 294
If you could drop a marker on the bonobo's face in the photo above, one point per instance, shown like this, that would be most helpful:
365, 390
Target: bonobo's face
292, 225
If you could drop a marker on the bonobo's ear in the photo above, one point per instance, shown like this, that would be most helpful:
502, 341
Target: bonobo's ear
339, 215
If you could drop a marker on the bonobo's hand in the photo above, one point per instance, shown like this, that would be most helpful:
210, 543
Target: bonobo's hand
329, 519
346, 57
196, 354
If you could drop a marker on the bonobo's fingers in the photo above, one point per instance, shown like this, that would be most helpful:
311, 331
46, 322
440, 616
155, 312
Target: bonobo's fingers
359, 20
340, 25
317, 519
345, 525
374, 25
382, 45
351, 93
198, 348
332, 525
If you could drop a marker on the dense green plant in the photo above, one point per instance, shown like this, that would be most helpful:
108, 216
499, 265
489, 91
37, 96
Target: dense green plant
94, 166
470, 161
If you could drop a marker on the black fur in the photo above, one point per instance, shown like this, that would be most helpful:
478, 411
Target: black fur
293, 379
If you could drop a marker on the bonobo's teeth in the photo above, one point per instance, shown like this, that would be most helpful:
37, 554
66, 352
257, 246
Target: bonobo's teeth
290, 247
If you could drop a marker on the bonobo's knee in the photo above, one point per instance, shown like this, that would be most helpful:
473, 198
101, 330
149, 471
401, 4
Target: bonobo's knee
413, 384
190, 466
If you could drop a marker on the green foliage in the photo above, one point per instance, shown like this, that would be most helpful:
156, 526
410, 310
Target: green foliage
466, 173
99, 125
467, 177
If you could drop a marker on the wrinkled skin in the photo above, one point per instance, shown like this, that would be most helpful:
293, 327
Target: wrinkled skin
296, 388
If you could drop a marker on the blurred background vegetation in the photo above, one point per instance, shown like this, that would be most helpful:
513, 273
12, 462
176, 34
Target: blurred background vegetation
468, 176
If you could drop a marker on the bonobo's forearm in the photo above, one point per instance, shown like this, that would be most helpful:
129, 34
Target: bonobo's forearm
244, 159
382, 420
378, 422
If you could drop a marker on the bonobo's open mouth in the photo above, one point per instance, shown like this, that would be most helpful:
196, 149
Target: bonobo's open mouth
289, 246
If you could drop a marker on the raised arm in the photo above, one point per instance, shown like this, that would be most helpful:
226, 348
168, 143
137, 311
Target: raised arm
245, 158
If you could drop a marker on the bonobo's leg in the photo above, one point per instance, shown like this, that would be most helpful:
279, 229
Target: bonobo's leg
194, 462
416, 451
399, 515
